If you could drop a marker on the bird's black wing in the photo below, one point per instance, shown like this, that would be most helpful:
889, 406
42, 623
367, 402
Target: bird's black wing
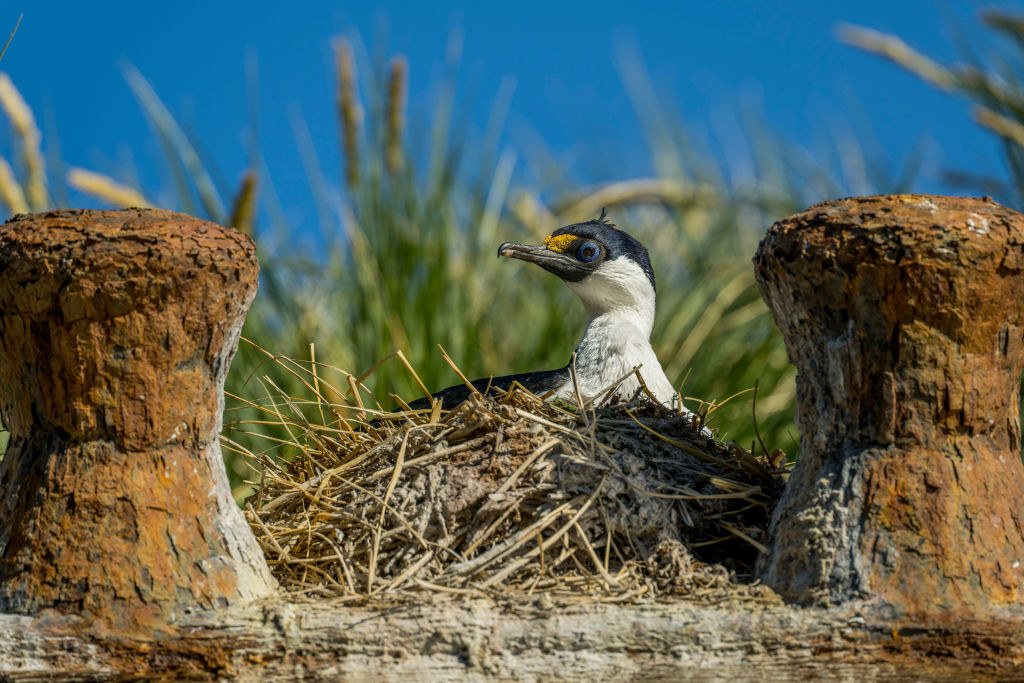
538, 382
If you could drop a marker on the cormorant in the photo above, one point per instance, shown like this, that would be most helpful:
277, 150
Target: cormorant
610, 271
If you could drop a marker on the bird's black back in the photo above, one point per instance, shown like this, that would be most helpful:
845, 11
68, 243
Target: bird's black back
538, 382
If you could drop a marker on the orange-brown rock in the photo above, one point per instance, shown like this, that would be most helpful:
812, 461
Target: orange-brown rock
905, 318
116, 331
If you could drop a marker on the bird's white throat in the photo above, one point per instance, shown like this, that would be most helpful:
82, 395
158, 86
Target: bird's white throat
619, 300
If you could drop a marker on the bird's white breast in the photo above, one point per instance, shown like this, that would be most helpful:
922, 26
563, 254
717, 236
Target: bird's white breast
619, 299
611, 348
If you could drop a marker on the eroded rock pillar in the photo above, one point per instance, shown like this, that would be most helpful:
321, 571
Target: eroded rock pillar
116, 331
904, 316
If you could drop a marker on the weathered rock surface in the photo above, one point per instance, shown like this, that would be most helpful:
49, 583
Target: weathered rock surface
905, 318
116, 331
438, 638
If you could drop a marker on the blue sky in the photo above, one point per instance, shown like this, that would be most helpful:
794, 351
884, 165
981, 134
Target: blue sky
705, 58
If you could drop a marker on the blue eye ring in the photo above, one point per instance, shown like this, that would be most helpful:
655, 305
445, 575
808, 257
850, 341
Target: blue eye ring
588, 251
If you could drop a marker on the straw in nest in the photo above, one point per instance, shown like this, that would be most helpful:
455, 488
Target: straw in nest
510, 493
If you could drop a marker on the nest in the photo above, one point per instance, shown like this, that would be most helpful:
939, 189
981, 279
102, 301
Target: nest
512, 493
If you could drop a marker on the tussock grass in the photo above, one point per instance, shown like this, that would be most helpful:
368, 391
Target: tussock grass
408, 256
402, 255
502, 493
993, 83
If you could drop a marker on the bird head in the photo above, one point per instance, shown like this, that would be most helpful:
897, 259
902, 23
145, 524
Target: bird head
606, 267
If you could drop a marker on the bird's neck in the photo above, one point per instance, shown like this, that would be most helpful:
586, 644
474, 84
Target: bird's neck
615, 342
619, 300
634, 323
623, 298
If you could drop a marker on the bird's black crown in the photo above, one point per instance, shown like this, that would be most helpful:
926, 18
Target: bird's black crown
617, 243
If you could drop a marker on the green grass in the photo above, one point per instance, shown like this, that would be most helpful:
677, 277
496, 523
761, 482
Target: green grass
410, 265
410, 226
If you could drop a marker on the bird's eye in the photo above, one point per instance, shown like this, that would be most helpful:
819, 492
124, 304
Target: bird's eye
588, 252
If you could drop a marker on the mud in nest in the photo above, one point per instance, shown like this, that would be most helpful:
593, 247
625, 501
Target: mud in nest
514, 494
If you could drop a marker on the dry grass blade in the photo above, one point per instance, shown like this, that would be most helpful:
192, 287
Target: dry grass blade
451, 363
243, 207
686, 447
177, 147
11, 193
638, 191
11, 37
895, 50
513, 566
396, 472
24, 125
740, 534
510, 543
598, 565
105, 188
541, 450
1001, 125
